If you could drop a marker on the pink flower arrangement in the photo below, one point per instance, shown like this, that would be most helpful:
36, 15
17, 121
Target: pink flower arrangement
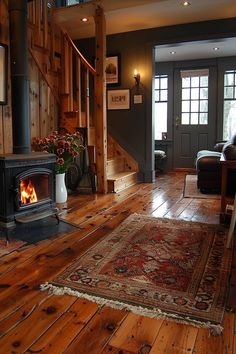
65, 146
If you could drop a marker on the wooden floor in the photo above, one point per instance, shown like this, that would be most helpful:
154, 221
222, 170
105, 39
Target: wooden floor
32, 321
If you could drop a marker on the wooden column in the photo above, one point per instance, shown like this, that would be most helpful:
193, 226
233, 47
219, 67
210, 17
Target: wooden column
100, 102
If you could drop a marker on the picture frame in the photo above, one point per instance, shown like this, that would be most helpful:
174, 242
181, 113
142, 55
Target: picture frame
3, 74
112, 70
164, 135
118, 99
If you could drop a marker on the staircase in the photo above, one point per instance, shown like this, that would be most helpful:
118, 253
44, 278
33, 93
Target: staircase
69, 85
121, 168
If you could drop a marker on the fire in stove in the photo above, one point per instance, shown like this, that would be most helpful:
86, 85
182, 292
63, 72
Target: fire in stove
27, 192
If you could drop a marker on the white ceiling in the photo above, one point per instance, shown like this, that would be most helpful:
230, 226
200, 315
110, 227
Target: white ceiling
196, 50
130, 15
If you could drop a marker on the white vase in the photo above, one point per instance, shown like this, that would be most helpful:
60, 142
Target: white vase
61, 191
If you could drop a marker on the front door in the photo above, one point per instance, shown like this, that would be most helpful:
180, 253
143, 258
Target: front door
194, 114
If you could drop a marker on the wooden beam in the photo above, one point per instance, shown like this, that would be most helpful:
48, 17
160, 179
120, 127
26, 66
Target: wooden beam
100, 102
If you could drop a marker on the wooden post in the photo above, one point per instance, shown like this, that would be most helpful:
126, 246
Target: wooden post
78, 92
86, 95
100, 102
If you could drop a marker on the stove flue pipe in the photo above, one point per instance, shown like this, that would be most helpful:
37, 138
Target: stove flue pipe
19, 76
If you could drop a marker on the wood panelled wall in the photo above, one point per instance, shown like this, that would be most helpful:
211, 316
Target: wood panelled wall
44, 76
5, 110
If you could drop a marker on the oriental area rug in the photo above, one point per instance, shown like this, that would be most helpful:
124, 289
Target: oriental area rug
191, 190
155, 267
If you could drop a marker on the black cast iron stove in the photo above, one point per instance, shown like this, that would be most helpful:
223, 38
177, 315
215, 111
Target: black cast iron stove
27, 179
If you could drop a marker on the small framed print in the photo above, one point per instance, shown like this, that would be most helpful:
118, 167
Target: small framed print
113, 70
164, 135
118, 99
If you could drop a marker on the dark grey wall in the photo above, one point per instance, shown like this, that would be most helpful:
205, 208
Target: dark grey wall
133, 128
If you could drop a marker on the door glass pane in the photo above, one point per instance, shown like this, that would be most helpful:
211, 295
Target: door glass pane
194, 106
186, 94
195, 81
203, 106
194, 118
186, 82
185, 118
194, 96
203, 93
229, 112
185, 106
204, 81
203, 118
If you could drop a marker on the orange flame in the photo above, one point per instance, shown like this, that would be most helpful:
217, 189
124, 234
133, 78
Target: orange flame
27, 192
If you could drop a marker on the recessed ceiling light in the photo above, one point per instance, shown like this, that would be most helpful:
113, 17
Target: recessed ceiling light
84, 19
216, 48
172, 52
186, 3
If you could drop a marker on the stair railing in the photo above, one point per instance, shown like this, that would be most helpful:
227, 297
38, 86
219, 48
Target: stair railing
78, 75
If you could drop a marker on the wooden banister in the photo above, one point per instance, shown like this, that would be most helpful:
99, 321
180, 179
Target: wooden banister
83, 60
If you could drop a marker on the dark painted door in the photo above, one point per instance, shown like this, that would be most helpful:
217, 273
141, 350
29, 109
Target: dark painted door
194, 120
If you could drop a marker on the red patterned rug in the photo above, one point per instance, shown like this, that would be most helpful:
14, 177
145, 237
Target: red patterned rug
156, 267
9, 246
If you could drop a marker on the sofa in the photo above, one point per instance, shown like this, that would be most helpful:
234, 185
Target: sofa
209, 168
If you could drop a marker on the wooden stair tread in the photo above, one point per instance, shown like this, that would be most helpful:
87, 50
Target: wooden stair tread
119, 175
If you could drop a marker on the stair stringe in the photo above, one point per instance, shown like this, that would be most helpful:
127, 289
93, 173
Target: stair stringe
121, 168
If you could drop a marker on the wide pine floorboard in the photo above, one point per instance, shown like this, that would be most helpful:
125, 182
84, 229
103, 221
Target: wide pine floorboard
32, 321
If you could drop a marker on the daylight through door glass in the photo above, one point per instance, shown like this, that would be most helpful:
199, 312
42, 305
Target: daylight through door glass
194, 103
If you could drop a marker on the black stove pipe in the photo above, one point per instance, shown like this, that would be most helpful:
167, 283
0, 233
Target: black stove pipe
19, 76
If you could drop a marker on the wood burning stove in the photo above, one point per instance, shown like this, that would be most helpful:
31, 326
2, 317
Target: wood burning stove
28, 187
27, 180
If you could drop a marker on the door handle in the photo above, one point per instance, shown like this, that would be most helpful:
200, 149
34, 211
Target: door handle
177, 121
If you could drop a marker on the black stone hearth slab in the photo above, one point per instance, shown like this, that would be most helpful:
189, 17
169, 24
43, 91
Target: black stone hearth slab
38, 230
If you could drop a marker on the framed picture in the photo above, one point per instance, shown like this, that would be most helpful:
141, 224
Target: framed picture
118, 99
113, 70
3, 74
164, 135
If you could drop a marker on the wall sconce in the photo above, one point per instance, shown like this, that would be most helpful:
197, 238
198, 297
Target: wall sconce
136, 77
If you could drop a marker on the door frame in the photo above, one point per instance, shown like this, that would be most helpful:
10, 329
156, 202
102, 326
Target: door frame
212, 109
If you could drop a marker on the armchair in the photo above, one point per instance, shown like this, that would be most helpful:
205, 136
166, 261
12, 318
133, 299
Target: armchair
208, 167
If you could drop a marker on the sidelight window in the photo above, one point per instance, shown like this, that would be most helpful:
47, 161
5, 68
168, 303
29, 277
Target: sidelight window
161, 103
229, 110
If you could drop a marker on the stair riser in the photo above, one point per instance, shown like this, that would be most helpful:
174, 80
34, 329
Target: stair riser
115, 166
122, 183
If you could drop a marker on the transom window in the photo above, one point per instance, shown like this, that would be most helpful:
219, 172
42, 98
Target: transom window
229, 119
194, 105
161, 103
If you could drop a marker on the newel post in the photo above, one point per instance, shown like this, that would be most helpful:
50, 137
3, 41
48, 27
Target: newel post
100, 102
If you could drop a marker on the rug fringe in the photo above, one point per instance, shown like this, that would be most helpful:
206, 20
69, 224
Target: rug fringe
152, 313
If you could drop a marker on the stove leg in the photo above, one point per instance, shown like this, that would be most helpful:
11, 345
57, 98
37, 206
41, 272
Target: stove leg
57, 217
